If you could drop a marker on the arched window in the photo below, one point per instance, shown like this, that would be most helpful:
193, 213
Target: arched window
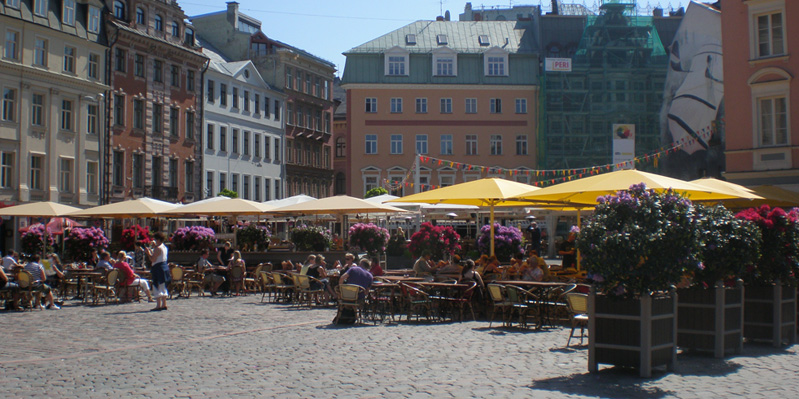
175, 29
189, 40
140, 16
341, 147
119, 10
159, 23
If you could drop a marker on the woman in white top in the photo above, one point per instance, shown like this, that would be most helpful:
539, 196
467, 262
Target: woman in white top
159, 270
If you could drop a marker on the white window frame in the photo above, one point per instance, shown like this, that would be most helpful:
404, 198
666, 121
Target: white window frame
92, 172
396, 62
66, 167
92, 118
495, 105
445, 62
370, 144
396, 105
40, 55
493, 59
93, 23
472, 144
68, 12
370, 105
760, 8
774, 141
495, 144
13, 4
446, 144
422, 146
93, 65
37, 171
7, 166
396, 144
421, 105
67, 115
70, 59
522, 145
40, 7
446, 105
521, 105
11, 51
470, 105
10, 98
446, 177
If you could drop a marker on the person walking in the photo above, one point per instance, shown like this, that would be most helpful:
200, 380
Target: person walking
159, 271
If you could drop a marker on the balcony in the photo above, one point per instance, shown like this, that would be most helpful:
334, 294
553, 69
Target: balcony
163, 193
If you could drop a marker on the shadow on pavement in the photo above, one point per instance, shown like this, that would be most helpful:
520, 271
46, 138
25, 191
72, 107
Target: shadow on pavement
607, 383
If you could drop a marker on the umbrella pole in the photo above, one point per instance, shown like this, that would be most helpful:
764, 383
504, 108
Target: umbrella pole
577, 251
492, 228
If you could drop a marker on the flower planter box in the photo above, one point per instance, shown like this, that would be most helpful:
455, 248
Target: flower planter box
770, 314
638, 333
711, 320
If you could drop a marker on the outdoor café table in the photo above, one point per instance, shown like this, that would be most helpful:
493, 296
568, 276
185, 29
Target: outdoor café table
401, 279
84, 277
383, 300
546, 293
398, 272
443, 295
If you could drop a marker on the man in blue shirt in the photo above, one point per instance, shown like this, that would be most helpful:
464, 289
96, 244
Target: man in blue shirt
358, 275
105, 262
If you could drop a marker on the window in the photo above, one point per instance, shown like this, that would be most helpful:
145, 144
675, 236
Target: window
235, 97
446, 105
174, 122
496, 66
175, 29
140, 19
175, 74
396, 105
327, 122
69, 59
496, 144
92, 169
341, 147
223, 138
40, 52
772, 114
307, 83
317, 87
65, 179
37, 168
138, 65
119, 60
222, 181
9, 105
396, 144
446, 180
118, 173
158, 71
257, 104
119, 10
40, 7
119, 110
267, 189
209, 183
298, 84
158, 118
369, 182
223, 94
277, 110
138, 171
521, 144
496, 106
68, 15
410, 39
770, 35
421, 105
189, 38
234, 145
189, 176
189, 125
94, 66
421, 144
256, 188
156, 172
37, 110
210, 91
483, 40
66, 115
11, 50
91, 119
6, 170
471, 144
371, 105
159, 23
234, 182
278, 149
446, 144
173, 172
266, 107
471, 105
190, 80
521, 105
245, 142
396, 65
371, 144
256, 145
246, 101
209, 137
94, 20
290, 111
289, 79
267, 150
138, 114
326, 94
445, 66
441, 39
245, 189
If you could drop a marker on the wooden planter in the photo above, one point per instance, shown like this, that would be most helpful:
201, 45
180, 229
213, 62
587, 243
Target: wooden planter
770, 314
711, 320
638, 333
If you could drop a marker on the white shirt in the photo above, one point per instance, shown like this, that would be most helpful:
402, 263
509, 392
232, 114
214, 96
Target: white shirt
8, 261
162, 256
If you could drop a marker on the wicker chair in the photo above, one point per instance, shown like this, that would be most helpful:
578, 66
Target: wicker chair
350, 296
578, 306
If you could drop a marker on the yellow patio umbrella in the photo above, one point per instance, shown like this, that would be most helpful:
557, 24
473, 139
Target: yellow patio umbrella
219, 206
745, 192
771, 195
490, 192
38, 209
337, 205
136, 208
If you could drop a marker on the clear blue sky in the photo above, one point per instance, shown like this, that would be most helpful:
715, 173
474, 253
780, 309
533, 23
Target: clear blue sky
327, 28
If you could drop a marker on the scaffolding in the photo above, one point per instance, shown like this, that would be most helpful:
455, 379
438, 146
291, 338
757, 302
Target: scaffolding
618, 73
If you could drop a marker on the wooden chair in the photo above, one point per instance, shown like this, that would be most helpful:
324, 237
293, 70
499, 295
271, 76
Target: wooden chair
69, 285
522, 302
178, 283
28, 297
105, 287
418, 302
280, 288
578, 306
350, 296
195, 280
499, 301
307, 293
252, 281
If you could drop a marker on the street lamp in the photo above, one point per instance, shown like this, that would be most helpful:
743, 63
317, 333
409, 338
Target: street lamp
102, 142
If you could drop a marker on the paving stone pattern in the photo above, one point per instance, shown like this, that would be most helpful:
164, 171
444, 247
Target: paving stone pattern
238, 347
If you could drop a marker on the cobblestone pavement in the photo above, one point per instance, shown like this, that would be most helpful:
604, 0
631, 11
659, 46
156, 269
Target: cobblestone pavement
238, 347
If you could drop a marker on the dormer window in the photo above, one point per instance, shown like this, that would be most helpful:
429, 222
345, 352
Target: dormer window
189, 39
445, 62
396, 62
69, 12
175, 29
410, 39
495, 62
483, 40
441, 40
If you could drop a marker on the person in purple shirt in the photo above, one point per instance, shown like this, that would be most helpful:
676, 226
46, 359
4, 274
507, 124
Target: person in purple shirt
358, 275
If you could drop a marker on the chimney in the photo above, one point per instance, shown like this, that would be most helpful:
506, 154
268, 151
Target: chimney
439, 18
555, 10
233, 13
657, 12
446, 15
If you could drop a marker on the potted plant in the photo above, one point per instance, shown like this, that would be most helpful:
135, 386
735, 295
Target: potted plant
193, 238
507, 241
770, 296
368, 237
710, 310
80, 242
33, 240
311, 238
135, 234
636, 247
441, 241
251, 236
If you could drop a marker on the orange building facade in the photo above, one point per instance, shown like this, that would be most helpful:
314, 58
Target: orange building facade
760, 49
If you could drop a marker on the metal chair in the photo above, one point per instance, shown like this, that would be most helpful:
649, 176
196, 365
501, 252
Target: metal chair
578, 306
350, 296
105, 288
498, 300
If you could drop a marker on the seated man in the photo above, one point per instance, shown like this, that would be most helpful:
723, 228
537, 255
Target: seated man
10, 261
205, 267
37, 272
358, 275
105, 262
423, 266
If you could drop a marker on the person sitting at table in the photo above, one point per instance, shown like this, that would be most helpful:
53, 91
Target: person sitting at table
105, 262
542, 264
286, 265
205, 268
451, 267
237, 261
224, 254
94, 259
6, 285
424, 267
320, 260
349, 261
532, 271
490, 266
516, 264
469, 274
54, 272
318, 272
359, 275
37, 272
309, 261
376, 270
10, 261
129, 277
